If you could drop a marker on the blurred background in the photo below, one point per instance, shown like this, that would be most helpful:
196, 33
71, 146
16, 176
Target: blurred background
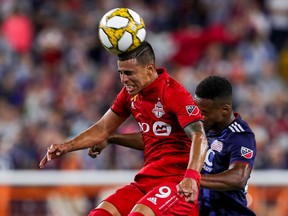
56, 80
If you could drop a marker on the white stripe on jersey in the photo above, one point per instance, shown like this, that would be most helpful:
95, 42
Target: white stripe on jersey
235, 127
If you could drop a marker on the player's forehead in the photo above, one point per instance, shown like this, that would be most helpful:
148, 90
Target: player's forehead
127, 65
128, 62
203, 102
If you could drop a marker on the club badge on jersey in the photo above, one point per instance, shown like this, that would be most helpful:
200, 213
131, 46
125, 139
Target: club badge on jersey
217, 146
158, 110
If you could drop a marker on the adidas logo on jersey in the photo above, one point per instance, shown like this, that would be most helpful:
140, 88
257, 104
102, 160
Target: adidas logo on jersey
235, 127
153, 200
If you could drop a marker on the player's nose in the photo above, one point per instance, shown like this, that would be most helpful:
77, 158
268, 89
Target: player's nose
123, 78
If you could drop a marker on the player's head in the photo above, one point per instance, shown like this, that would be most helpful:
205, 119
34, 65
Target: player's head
137, 68
144, 54
213, 95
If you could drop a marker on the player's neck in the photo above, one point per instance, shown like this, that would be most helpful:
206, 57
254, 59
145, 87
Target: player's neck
232, 118
224, 125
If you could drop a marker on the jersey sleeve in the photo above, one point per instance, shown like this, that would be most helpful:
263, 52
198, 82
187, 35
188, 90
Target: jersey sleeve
121, 104
242, 148
183, 105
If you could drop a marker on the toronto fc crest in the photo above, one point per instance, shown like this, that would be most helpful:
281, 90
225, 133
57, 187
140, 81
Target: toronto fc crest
158, 110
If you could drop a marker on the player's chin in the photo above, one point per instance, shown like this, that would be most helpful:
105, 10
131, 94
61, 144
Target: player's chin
132, 92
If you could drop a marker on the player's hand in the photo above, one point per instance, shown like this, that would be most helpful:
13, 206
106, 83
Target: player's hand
94, 151
54, 151
188, 188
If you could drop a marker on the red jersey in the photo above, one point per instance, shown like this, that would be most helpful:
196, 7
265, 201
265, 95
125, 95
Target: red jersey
162, 110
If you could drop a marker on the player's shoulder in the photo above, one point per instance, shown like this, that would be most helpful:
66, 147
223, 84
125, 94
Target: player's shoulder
170, 82
239, 125
172, 91
174, 86
239, 132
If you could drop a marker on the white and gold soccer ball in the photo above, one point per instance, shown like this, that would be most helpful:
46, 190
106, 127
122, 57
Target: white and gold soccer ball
121, 30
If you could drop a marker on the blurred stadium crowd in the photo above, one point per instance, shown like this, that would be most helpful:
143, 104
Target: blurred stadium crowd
56, 79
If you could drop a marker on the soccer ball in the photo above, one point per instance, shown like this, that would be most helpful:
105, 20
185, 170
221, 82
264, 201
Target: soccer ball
121, 30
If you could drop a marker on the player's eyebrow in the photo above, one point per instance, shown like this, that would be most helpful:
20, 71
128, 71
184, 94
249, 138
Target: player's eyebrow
125, 72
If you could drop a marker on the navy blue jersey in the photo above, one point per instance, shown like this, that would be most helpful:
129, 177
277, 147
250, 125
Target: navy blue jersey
236, 143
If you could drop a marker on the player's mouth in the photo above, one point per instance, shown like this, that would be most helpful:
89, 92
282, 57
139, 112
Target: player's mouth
130, 88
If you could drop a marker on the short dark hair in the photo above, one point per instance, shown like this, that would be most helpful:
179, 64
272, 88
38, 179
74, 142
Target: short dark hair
144, 54
214, 88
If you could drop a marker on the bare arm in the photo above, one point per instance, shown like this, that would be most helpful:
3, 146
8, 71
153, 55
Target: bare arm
94, 135
235, 178
199, 145
97, 133
190, 185
132, 140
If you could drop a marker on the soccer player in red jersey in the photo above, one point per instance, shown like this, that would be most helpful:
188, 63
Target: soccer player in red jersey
231, 151
175, 144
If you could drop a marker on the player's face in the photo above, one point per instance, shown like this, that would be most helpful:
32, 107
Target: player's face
212, 113
135, 77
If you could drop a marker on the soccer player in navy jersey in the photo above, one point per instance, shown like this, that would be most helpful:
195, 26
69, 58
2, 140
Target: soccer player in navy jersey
172, 129
230, 156
231, 151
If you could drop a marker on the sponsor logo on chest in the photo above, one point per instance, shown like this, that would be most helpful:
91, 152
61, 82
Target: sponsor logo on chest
159, 128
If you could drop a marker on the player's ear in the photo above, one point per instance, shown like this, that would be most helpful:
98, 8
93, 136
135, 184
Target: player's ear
150, 67
226, 108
